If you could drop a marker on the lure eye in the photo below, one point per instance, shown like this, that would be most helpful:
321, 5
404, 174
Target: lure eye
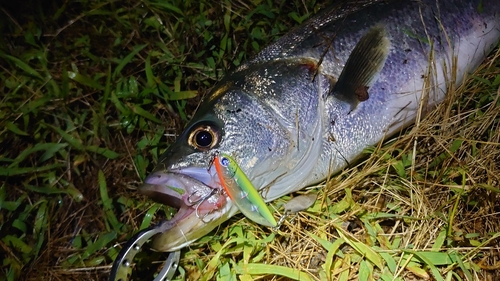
203, 137
224, 161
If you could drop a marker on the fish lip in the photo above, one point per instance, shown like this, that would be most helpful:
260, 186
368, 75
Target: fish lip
161, 195
181, 188
201, 207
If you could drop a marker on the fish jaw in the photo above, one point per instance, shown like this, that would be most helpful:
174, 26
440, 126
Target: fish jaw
191, 229
196, 193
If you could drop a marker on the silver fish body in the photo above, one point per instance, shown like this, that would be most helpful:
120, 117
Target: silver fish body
310, 103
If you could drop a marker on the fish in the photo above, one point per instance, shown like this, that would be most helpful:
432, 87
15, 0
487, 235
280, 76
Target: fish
309, 104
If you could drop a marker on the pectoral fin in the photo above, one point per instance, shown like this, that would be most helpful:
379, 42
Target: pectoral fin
364, 63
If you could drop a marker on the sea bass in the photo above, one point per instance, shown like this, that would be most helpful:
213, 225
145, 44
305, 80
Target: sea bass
310, 103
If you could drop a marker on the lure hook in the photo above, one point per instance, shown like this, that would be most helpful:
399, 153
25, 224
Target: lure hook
280, 222
194, 202
212, 160
212, 193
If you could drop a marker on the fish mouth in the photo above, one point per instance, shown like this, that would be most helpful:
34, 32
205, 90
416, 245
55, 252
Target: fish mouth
196, 193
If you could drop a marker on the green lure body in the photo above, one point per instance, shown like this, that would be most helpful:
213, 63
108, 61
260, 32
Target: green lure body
241, 191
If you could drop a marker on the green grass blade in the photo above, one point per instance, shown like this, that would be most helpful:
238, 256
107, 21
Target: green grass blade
107, 203
456, 257
47, 147
69, 190
74, 142
363, 249
275, 270
41, 224
22, 65
137, 109
28, 170
166, 6
84, 80
100, 243
146, 221
109, 154
17, 243
12, 127
429, 261
127, 59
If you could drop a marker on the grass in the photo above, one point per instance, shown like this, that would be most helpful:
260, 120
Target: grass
94, 91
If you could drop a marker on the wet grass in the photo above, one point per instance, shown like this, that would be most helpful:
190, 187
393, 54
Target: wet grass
94, 91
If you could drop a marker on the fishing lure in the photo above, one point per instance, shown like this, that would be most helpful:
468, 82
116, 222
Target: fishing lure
241, 191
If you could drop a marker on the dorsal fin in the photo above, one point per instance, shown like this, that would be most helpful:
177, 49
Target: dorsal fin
364, 63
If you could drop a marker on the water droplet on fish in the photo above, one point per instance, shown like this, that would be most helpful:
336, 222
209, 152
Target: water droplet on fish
300, 203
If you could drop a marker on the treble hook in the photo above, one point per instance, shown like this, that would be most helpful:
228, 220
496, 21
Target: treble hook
212, 193
206, 197
194, 202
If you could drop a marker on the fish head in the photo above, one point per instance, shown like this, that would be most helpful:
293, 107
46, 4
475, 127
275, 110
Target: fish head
231, 121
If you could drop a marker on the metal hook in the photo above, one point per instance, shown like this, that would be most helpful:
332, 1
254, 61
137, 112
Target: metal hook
202, 198
206, 215
121, 267
281, 221
295, 205
212, 193
211, 162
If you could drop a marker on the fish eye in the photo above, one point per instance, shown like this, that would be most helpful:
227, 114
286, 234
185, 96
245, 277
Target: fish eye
203, 137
